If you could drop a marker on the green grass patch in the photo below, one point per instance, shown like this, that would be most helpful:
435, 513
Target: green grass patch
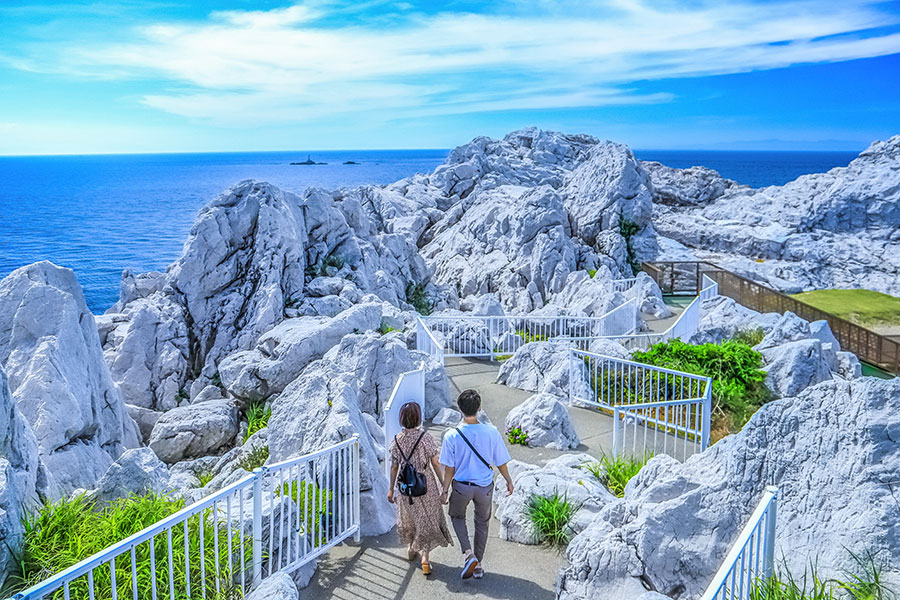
258, 415
750, 337
255, 459
531, 337
64, 533
415, 295
205, 476
516, 435
592, 272
864, 582
616, 472
312, 502
550, 516
738, 388
863, 307
385, 329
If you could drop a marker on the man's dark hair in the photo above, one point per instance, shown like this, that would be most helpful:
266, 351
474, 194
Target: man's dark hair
469, 402
410, 415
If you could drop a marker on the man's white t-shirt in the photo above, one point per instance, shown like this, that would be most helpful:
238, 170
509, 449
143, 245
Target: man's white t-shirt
456, 453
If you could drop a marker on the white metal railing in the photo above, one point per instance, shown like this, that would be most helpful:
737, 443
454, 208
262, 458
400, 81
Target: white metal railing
751, 559
297, 509
493, 336
623, 285
683, 328
654, 409
410, 387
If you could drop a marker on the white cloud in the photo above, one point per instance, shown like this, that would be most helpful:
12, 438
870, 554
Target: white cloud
300, 63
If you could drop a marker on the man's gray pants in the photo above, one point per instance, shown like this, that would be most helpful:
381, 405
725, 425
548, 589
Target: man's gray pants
460, 497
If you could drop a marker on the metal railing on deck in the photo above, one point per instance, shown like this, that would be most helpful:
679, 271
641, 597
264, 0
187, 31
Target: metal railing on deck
683, 278
655, 410
751, 559
297, 509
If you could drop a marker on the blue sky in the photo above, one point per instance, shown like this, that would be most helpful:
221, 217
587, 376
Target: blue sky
167, 75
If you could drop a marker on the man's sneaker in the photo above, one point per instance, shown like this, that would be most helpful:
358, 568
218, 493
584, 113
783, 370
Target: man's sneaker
477, 572
469, 567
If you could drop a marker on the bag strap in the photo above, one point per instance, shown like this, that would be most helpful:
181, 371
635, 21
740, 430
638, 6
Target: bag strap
469, 444
411, 452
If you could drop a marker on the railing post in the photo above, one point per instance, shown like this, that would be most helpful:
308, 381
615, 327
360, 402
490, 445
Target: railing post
571, 375
769, 548
616, 432
258, 476
355, 489
707, 416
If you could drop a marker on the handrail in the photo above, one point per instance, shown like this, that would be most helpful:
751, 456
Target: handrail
639, 364
741, 584
868, 345
312, 455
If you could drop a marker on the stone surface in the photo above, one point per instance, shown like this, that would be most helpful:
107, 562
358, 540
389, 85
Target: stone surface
278, 586
50, 351
563, 476
826, 230
447, 417
830, 451
137, 472
546, 421
696, 186
195, 431
721, 318
794, 366
281, 354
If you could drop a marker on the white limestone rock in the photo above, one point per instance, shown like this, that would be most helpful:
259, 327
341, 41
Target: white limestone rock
278, 586
20, 470
585, 295
546, 421
647, 294
145, 419
447, 417
826, 230
721, 318
830, 451
695, 186
282, 353
487, 305
50, 351
794, 366
138, 471
565, 476
849, 366
194, 431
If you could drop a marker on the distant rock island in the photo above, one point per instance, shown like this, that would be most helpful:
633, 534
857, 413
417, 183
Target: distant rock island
308, 161
351, 162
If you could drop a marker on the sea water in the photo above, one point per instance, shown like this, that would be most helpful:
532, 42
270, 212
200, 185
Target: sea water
101, 214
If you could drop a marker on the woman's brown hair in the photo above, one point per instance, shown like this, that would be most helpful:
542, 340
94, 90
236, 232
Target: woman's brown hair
410, 415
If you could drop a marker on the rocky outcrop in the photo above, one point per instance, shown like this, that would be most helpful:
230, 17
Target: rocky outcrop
194, 431
836, 229
20, 471
565, 477
50, 351
278, 586
546, 422
137, 472
695, 186
833, 454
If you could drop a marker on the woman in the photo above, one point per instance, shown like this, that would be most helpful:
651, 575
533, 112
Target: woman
421, 524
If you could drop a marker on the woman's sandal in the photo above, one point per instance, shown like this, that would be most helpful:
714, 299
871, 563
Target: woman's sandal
426, 569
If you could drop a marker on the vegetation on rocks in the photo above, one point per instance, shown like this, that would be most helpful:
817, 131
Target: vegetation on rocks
863, 583
616, 472
385, 329
255, 459
311, 501
415, 295
738, 382
516, 435
628, 229
258, 415
550, 516
66, 532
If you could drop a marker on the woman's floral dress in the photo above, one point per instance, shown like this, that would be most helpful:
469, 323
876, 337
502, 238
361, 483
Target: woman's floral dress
421, 524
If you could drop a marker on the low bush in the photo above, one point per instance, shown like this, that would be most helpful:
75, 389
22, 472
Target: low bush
517, 435
863, 583
550, 516
205, 476
750, 337
738, 382
628, 229
616, 472
255, 459
258, 415
385, 329
415, 295
66, 532
531, 337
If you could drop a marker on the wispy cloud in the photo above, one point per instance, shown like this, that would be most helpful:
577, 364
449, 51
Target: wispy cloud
312, 60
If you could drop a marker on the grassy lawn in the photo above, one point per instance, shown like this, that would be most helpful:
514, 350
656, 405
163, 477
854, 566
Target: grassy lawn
863, 307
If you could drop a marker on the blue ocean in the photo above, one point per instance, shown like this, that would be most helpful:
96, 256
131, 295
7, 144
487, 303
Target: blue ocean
101, 214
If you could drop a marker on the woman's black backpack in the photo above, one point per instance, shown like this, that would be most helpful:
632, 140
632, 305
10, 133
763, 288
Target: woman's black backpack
411, 483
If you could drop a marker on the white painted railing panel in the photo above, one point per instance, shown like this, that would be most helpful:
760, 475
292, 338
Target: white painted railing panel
410, 387
230, 540
751, 559
654, 409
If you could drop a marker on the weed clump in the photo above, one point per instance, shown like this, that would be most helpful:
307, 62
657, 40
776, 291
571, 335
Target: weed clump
550, 516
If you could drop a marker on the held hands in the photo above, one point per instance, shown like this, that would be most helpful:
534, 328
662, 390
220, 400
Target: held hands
445, 498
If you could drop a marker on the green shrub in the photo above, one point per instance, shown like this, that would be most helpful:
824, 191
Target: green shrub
254, 459
750, 337
258, 415
628, 229
205, 476
385, 329
64, 533
616, 472
738, 387
216, 380
517, 435
550, 517
531, 337
592, 272
415, 295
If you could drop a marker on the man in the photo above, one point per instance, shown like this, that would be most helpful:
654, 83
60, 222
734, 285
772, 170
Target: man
467, 455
